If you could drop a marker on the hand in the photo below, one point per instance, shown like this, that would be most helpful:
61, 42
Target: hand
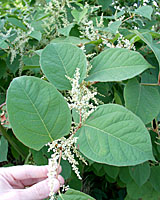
26, 183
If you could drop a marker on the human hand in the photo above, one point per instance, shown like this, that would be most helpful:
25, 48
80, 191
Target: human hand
14, 180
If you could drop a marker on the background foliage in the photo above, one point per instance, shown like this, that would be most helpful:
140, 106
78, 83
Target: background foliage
48, 40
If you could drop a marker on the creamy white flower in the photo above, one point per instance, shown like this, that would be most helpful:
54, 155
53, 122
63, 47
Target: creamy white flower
69, 150
80, 97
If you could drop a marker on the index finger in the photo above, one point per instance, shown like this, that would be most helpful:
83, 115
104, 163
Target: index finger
25, 172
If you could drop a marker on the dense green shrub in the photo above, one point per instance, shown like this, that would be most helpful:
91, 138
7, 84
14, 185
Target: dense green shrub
83, 78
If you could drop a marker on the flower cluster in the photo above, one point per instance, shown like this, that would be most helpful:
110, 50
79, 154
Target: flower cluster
80, 97
66, 149
52, 172
57, 11
122, 43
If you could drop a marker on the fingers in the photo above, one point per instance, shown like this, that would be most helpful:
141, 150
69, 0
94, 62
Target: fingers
29, 171
26, 172
28, 182
61, 179
38, 191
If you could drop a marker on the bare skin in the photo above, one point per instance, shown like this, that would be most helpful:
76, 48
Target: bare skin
26, 182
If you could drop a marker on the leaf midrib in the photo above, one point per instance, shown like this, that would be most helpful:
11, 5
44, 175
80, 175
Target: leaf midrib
37, 113
112, 68
93, 127
62, 62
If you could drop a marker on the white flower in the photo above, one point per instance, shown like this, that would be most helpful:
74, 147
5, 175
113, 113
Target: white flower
80, 97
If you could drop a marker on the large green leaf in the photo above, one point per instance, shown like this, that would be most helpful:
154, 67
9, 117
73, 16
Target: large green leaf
3, 149
140, 173
37, 112
145, 11
117, 64
75, 195
115, 136
61, 59
147, 38
143, 100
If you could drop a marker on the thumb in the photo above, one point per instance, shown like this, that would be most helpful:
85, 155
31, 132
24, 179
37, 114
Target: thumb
38, 191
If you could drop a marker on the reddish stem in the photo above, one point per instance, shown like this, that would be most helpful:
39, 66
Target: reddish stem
128, 18
159, 78
3, 104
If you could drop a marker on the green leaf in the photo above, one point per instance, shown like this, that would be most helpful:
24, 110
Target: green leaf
145, 11
124, 175
61, 59
36, 35
2, 68
129, 198
74, 182
31, 61
113, 126
105, 4
3, 44
140, 173
155, 177
79, 15
113, 27
147, 38
66, 172
117, 64
142, 100
75, 195
70, 39
13, 67
38, 157
17, 23
3, 149
145, 192
112, 171
65, 31
37, 112
76, 116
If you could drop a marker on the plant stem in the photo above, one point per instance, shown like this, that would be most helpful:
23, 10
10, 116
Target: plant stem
9, 139
3, 104
128, 18
59, 162
150, 84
